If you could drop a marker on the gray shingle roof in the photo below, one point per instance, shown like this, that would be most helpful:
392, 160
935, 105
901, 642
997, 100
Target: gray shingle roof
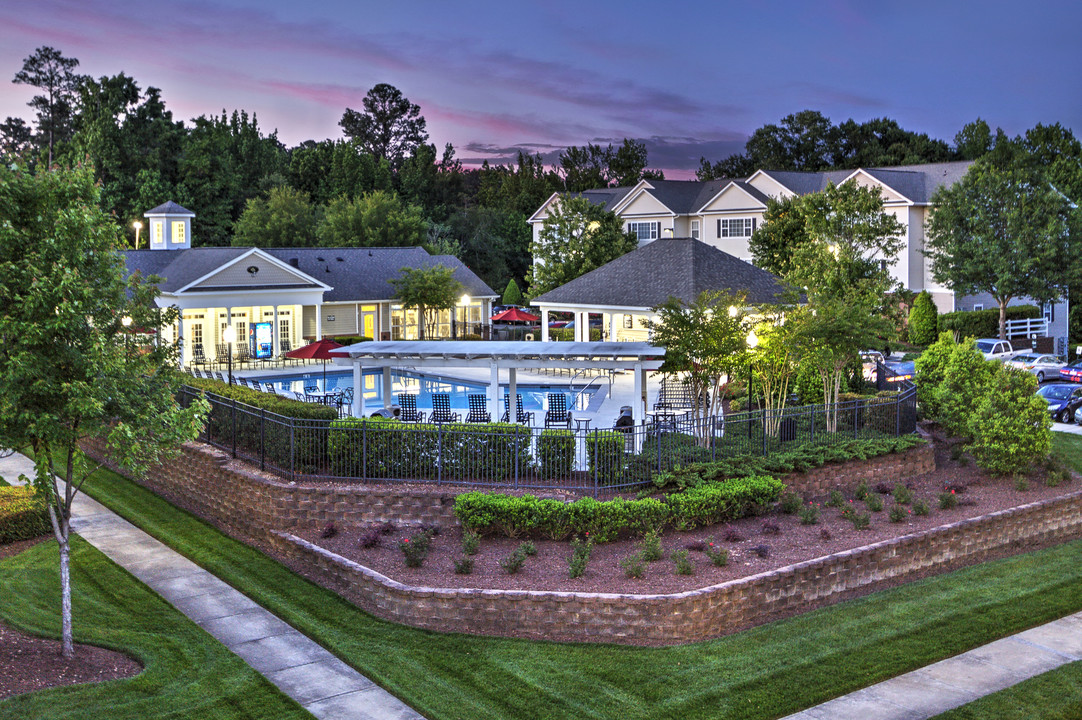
360, 274
915, 182
169, 208
677, 267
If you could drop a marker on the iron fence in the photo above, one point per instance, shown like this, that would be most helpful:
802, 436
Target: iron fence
508, 456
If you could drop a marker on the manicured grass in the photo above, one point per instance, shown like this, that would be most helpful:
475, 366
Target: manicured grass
187, 673
765, 672
1068, 449
1054, 695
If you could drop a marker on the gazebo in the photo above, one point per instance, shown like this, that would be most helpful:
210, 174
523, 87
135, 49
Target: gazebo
639, 357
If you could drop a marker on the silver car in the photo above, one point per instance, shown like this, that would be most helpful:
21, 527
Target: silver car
1043, 366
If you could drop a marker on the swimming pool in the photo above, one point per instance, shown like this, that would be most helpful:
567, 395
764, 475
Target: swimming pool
423, 386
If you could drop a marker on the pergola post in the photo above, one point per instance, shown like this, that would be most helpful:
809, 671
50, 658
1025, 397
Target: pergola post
544, 326
358, 390
494, 391
512, 394
640, 392
388, 387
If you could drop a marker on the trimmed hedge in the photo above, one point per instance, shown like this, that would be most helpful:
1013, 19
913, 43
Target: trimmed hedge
603, 521
606, 455
556, 452
387, 448
277, 404
800, 458
23, 515
983, 323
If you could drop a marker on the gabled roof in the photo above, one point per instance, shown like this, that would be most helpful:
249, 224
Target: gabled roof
352, 274
917, 183
169, 208
706, 198
677, 267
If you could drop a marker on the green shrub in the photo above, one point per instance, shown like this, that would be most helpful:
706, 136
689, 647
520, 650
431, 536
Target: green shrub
682, 562
633, 565
809, 514
464, 566
511, 294
1009, 424
861, 493
513, 562
923, 320
902, 494
580, 556
921, 508
874, 503
605, 453
415, 548
965, 381
718, 555
836, 499
651, 546
931, 367
471, 542
948, 500
899, 513
790, 503
717, 502
23, 515
982, 323
556, 452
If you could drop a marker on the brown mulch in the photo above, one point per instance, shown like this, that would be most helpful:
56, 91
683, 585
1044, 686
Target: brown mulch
29, 663
755, 544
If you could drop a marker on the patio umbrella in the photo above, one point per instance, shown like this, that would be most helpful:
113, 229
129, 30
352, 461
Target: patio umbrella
514, 315
319, 350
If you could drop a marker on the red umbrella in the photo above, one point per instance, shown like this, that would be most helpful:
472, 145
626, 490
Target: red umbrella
319, 350
514, 315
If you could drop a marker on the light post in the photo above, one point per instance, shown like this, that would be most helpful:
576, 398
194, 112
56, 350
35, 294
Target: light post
138, 226
464, 301
126, 322
753, 342
230, 336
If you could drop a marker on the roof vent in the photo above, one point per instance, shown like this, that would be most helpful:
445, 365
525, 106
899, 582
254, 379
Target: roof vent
340, 259
319, 259
295, 262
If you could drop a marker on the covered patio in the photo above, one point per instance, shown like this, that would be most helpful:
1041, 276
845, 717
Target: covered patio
637, 357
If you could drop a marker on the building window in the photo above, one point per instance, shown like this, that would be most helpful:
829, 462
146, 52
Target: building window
178, 232
736, 227
283, 331
645, 230
197, 334
695, 229
156, 230
1048, 310
978, 308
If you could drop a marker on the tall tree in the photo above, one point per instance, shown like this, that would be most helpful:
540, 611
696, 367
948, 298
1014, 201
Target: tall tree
376, 219
521, 189
286, 218
783, 232
802, 141
737, 165
575, 238
493, 243
1005, 232
594, 166
389, 127
71, 364
973, 140
429, 290
50, 71
16, 137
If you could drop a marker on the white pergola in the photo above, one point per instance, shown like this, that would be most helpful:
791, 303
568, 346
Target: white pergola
639, 357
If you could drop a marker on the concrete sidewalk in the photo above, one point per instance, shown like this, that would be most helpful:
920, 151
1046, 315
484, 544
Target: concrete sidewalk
311, 675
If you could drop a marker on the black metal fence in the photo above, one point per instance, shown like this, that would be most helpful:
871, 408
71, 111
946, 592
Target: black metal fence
509, 457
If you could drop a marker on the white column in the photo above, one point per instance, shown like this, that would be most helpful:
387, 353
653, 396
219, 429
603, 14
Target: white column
276, 348
640, 393
388, 388
544, 326
611, 337
358, 389
180, 339
512, 391
494, 391
319, 322
582, 327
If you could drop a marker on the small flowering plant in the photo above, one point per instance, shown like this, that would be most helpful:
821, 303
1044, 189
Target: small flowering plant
718, 555
415, 548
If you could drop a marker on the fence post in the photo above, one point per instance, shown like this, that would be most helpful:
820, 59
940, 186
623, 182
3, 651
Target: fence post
292, 448
364, 449
234, 411
762, 414
262, 438
518, 452
596, 463
898, 414
439, 454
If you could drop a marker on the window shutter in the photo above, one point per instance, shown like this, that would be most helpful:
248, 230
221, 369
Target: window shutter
753, 223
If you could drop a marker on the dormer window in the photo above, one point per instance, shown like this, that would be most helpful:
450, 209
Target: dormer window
178, 232
157, 232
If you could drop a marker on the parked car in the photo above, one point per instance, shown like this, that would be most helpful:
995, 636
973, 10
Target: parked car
1063, 400
1043, 366
868, 360
1071, 372
996, 349
560, 323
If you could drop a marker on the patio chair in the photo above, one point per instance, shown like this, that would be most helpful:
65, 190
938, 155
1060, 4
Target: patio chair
522, 417
242, 355
242, 381
441, 409
198, 357
223, 354
408, 403
478, 409
557, 415
285, 346
269, 388
218, 376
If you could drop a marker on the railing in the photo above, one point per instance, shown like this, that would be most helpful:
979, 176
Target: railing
518, 457
1027, 327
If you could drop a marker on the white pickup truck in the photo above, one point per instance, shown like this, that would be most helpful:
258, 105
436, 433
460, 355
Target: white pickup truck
996, 349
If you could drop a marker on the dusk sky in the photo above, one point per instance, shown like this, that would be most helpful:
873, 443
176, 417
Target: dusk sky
689, 79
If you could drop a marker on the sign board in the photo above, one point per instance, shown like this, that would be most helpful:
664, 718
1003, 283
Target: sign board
262, 342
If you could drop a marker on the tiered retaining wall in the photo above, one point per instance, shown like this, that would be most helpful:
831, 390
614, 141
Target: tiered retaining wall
248, 504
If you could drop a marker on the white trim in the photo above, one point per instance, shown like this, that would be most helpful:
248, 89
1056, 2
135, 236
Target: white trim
732, 183
269, 258
880, 183
533, 218
638, 189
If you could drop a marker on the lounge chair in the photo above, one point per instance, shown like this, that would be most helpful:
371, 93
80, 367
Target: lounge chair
557, 415
408, 403
223, 354
242, 355
441, 409
198, 357
522, 417
478, 409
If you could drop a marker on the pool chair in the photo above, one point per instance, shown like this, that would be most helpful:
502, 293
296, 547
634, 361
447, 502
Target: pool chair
522, 417
441, 409
478, 409
408, 403
198, 356
242, 355
558, 415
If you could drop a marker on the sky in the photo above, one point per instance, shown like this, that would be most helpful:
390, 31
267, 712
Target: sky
492, 77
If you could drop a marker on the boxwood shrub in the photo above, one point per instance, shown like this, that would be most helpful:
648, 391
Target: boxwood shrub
606, 456
23, 515
982, 323
556, 452
527, 515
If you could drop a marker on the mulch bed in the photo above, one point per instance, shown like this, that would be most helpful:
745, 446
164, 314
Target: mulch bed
754, 544
29, 663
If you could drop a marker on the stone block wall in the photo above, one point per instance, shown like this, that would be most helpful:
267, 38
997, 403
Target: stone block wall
885, 468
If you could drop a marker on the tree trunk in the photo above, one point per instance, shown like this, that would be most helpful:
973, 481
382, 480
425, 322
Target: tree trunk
62, 531
1003, 319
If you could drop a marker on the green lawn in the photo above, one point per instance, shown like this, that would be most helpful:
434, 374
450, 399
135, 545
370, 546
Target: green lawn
187, 673
1054, 695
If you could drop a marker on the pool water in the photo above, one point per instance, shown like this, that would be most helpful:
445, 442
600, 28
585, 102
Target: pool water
423, 386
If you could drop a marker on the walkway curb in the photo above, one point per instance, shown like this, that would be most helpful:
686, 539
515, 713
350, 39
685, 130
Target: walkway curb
305, 671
